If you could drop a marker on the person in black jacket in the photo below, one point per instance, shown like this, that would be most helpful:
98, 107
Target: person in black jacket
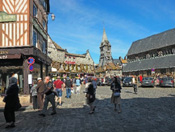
68, 84
49, 97
90, 95
11, 102
116, 90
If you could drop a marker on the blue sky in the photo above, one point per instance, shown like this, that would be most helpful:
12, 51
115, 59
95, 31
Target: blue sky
78, 25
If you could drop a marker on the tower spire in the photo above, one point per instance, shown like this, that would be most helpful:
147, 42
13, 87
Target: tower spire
104, 35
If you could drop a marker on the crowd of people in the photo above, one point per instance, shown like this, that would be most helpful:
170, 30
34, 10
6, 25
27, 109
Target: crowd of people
47, 90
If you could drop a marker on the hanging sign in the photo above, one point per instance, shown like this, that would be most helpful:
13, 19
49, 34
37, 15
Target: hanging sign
4, 17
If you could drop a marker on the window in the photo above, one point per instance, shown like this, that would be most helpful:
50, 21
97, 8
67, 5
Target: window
35, 10
44, 24
44, 4
44, 47
34, 38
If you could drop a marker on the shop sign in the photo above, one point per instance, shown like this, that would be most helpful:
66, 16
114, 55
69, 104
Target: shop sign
69, 62
16, 56
2, 52
4, 17
3, 57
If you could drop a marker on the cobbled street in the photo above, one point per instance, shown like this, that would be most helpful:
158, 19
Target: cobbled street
151, 110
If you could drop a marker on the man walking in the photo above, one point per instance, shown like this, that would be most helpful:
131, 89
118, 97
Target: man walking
49, 97
68, 84
58, 86
94, 83
134, 82
40, 93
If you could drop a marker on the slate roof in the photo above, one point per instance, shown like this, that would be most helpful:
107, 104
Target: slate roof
57, 46
76, 55
156, 41
147, 64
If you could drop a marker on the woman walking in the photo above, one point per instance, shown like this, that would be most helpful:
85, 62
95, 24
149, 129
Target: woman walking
90, 95
11, 102
116, 90
33, 91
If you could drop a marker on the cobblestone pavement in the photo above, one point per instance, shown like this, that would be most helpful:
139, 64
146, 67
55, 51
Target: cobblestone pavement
151, 110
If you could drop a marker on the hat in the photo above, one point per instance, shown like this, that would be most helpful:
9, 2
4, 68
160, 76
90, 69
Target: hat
39, 78
58, 77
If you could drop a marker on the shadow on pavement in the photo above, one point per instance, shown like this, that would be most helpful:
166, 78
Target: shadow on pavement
138, 115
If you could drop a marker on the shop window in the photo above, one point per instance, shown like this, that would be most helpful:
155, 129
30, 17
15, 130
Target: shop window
35, 38
35, 10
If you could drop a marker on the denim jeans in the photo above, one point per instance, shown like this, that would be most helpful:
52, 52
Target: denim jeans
68, 92
59, 92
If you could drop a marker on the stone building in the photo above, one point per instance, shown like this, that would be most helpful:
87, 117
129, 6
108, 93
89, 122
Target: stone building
66, 62
107, 65
152, 56
23, 34
105, 51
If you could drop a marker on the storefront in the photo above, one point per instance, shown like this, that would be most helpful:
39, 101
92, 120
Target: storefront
15, 60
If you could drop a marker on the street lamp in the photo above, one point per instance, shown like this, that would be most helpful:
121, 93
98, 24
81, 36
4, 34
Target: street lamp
52, 16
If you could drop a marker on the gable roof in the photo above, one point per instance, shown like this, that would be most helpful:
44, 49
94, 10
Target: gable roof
57, 46
157, 41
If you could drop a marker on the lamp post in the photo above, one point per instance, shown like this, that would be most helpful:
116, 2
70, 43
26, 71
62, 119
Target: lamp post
52, 15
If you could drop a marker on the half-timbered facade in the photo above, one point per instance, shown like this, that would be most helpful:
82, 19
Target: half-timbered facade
23, 34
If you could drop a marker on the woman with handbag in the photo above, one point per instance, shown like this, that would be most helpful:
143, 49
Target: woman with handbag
90, 96
12, 103
116, 90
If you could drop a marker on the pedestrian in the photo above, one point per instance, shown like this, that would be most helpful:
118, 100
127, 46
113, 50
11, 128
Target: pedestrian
78, 85
90, 96
94, 83
116, 97
40, 93
58, 86
12, 103
156, 82
33, 91
86, 81
134, 83
49, 97
68, 84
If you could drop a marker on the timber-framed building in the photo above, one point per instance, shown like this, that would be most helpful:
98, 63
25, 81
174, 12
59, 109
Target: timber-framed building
23, 34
